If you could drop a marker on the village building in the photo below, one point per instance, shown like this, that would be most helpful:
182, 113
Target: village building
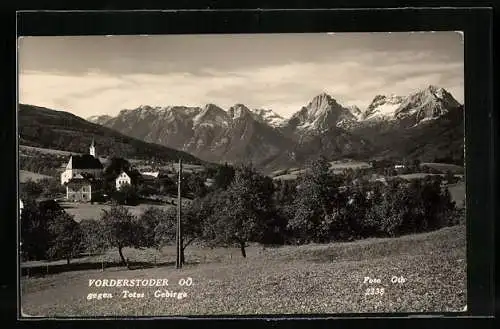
148, 174
82, 176
122, 180
209, 182
82, 187
82, 164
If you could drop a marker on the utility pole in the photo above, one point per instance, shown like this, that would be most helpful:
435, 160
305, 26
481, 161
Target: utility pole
178, 263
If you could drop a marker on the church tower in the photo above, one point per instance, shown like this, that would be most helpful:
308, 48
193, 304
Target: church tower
92, 149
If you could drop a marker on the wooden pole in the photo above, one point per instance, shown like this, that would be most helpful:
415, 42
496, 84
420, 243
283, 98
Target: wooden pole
179, 232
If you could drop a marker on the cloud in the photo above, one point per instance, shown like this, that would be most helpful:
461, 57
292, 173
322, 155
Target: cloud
351, 76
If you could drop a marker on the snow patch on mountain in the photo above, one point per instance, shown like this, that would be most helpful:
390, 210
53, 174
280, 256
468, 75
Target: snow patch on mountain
268, 116
322, 113
383, 107
238, 111
423, 105
355, 111
431, 102
212, 116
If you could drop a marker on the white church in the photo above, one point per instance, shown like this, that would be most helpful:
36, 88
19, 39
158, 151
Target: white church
83, 176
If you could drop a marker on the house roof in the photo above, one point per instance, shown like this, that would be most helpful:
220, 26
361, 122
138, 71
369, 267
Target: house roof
130, 173
83, 178
85, 161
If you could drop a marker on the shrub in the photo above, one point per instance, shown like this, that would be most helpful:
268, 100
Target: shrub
65, 237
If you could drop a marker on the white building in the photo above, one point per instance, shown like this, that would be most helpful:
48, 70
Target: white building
122, 179
92, 150
86, 164
150, 173
82, 176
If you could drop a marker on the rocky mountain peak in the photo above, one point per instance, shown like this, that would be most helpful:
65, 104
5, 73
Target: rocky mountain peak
322, 102
268, 116
211, 114
355, 110
238, 111
321, 113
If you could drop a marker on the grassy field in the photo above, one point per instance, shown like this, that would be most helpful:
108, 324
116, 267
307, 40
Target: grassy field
444, 167
291, 280
416, 175
457, 192
82, 211
336, 166
342, 165
25, 175
286, 177
44, 150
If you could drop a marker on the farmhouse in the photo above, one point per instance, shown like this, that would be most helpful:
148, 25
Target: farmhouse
81, 188
149, 174
122, 180
82, 176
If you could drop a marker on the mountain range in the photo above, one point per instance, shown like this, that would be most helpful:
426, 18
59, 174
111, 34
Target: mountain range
423, 125
60, 130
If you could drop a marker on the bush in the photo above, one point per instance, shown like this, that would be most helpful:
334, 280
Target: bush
30, 190
48, 232
121, 229
126, 195
93, 239
65, 237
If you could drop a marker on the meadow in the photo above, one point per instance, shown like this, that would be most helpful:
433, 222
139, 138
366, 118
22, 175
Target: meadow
336, 167
312, 278
455, 169
25, 176
457, 192
82, 211
45, 150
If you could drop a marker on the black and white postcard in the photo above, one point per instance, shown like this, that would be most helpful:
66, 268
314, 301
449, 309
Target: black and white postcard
241, 174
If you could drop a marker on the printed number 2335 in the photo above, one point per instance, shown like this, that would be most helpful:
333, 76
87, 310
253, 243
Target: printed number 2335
374, 291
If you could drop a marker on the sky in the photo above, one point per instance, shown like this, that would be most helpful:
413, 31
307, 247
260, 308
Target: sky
97, 75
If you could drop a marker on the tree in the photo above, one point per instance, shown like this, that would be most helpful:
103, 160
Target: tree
318, 196
149, 220
450, 177
115, 166
416, 165
65, 237
284, 198
37, 228
30, 190
165, 185
51, 188
242, 211
121, 229
195, 184
93, 237
34, 232
436, 202
191, 221
224, 176
126, 195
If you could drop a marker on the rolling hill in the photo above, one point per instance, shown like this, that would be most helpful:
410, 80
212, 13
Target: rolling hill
59, 130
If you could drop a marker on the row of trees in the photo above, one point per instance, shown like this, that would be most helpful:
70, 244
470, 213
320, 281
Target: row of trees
246, 206
49, 188
41, 163
48, 232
